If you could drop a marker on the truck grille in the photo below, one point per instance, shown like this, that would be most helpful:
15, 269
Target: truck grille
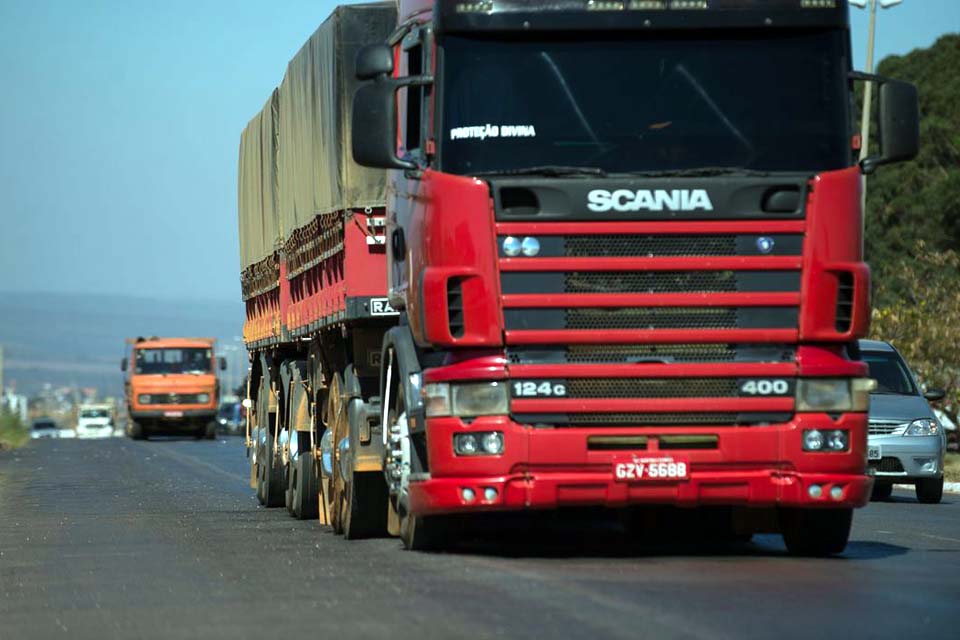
631, 353
651, 419
594, 318
652, 388
170, 398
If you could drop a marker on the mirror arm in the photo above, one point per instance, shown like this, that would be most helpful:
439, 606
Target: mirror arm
411, 169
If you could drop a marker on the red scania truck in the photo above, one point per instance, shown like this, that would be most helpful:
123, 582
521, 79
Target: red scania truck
602, 254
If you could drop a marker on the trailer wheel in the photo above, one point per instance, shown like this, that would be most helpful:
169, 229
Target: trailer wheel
269, 473
815, 532
365, 506
305, 487
336, 423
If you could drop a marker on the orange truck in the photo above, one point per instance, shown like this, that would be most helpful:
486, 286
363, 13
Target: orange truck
171, 387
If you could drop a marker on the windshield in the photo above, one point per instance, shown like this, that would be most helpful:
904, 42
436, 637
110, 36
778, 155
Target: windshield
774, 101
94, 413
890, 372
44, 424
187, 360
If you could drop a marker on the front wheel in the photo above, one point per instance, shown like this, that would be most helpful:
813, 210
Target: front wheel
881, 491
930, 490
423, 533
815, 532
137, 431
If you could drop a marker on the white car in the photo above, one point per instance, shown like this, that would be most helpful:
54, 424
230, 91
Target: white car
44, 428
95, 421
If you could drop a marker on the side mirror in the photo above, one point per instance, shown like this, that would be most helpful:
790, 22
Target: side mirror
374, 123
935, 395
899, 126
123, 364
223, 364
374, 61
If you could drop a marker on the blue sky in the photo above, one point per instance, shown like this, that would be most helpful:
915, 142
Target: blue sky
119, 125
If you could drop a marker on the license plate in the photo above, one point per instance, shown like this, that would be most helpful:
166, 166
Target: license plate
873, 453
173, 414
650, 468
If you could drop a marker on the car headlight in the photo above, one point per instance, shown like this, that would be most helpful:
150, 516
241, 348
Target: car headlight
144, 398
828, 394
203, 398
473, 399
923, 427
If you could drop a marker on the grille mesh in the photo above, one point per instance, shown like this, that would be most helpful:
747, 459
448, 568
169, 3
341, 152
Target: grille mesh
880, 429
652, 388
652, 246
887, 465
652, 318
614, 353
651, 282
654, 419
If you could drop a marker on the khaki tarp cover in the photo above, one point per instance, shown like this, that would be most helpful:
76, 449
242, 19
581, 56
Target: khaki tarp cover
257, 200
317, 171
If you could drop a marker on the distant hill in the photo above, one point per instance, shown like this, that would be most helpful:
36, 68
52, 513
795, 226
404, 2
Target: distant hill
71, 339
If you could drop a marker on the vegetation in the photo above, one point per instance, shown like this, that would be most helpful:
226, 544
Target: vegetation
951, 468
913, 226
13, 433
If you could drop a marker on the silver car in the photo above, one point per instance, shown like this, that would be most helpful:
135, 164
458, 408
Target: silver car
906, 442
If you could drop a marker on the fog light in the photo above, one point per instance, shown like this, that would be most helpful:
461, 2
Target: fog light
493, 443
465, 444
837, 440
511, 246
815, 491
812, 440
489, 494
530, 246
927, 465
468, 495
836, 493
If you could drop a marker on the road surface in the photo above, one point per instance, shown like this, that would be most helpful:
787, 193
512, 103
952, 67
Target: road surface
124, 539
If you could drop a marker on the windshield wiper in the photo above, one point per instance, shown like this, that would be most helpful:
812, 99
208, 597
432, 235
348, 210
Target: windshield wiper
698, 172
549, 170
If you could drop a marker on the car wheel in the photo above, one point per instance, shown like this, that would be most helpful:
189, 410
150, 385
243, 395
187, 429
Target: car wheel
930, 490
881, 491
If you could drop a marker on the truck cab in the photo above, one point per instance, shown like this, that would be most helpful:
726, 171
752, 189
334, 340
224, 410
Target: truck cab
626, 242
172, 387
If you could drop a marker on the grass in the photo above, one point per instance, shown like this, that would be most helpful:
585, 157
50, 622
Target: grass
951, 467
13, 433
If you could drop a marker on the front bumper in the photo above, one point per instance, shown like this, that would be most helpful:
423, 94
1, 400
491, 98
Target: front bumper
907, 457
551, 468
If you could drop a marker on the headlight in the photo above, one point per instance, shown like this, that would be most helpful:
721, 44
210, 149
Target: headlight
474, 399
144, 398
203, 398
830, 440
827, 394
923, 427
488, 443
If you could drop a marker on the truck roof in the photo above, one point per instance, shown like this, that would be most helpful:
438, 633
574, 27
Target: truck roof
170, 343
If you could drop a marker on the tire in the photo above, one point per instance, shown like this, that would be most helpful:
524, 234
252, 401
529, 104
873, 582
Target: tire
211, 433
365, 506
815, 532
305, 487
881, 491
423, 533
930, 490
137, 431
270, 485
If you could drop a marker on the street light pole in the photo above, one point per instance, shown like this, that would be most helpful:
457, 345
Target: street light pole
868, 89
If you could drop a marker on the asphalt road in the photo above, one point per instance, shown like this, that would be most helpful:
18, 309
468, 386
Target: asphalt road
127, 539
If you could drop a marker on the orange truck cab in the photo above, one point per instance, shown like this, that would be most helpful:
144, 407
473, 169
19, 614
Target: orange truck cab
171, 386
